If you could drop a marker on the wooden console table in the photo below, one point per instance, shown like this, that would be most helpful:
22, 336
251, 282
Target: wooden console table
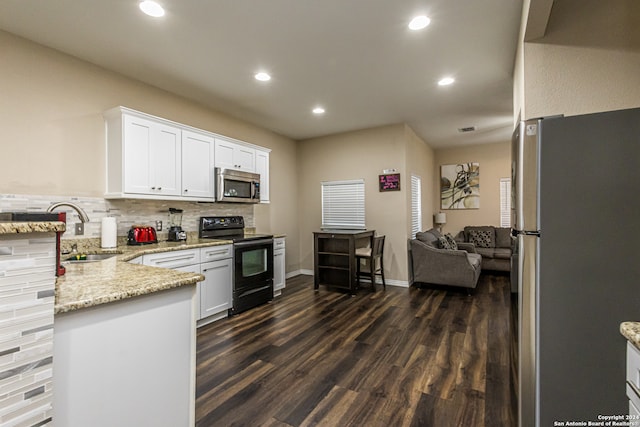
335, 257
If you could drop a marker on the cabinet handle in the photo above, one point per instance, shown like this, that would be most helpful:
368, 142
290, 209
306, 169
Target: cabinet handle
153, 188
185, 190
213, 268
162, 261
212, 253
159, 188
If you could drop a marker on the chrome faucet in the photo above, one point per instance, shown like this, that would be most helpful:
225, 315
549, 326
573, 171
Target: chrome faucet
82, 214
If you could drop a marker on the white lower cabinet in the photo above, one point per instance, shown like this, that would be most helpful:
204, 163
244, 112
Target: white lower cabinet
279, 265
215, 290
215, 263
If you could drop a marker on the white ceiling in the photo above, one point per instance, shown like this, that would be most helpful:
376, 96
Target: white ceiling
356, 58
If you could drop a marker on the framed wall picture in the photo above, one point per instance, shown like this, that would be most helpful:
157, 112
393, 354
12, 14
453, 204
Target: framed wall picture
460, 186
389, 182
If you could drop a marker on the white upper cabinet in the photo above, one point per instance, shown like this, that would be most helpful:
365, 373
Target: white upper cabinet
153, 158
262, 167
197, 165
165, 155
230, 155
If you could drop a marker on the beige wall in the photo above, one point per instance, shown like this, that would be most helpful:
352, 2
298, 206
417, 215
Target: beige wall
587, 61
53, 140
354, 155
420, 161
495, 163
574, 80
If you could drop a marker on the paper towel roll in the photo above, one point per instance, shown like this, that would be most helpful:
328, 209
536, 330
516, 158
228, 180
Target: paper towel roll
109, 232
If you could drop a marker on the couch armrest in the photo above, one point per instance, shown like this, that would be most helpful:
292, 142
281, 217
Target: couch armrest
442, 266
467, 246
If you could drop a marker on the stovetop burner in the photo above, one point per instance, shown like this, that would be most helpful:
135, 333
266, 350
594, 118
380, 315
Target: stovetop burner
227, 228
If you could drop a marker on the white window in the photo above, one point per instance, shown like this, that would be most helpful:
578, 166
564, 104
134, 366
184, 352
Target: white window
416, 205
505, 202
343, 204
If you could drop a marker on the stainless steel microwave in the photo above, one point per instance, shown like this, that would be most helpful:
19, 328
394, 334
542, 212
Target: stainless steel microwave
237, 186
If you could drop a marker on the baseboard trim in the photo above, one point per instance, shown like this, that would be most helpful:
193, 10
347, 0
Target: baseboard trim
390, 282
298, 272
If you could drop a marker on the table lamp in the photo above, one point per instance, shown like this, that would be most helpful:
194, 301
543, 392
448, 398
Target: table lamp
440, 220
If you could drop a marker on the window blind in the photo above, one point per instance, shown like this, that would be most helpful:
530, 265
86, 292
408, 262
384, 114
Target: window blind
416, 205
343, 204
505, 202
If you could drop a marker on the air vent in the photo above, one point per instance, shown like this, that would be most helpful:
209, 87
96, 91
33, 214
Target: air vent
467, 129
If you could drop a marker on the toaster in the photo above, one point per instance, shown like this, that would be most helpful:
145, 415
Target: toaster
142, 235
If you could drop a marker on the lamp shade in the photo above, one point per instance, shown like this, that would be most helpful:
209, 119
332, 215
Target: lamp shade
441, 218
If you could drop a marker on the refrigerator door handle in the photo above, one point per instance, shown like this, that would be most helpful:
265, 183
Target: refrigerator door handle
516, 233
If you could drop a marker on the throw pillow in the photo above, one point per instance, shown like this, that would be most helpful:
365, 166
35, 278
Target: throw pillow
452, 242
443, 243
480, 238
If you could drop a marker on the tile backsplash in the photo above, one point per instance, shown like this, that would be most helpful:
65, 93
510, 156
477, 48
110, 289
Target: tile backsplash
126, 211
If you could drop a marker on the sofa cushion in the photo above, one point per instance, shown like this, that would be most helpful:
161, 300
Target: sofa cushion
481, 238
503, 237
502, 253
430, 237
485, 252
489, 230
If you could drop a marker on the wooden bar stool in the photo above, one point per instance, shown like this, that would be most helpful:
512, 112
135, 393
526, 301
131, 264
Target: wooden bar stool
374, 261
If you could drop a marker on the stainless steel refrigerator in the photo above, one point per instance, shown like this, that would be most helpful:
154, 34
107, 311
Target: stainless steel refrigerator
576, 207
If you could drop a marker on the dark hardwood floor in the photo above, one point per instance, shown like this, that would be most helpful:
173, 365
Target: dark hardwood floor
414, 357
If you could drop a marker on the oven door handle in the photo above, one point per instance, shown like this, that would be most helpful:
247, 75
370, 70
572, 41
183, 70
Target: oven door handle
256, 242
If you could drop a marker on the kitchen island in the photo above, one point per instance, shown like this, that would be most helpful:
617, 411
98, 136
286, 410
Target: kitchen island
125, 341
631, 331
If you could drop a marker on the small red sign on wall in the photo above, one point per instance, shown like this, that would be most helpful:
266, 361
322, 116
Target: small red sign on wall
389, 182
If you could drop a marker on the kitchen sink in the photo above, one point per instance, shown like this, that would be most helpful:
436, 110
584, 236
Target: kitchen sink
88, 257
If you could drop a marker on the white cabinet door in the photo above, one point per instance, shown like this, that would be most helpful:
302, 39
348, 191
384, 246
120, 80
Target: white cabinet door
224, 154
230, 155
137, 135
245, 157
215, 290
166, 161
197, 165
151, 157
279, 264
262, 167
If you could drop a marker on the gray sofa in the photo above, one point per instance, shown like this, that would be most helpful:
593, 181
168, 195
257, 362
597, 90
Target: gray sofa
495, 244
428, 263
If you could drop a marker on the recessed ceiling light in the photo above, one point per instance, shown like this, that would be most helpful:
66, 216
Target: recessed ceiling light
446, 81
262, 76
318, 110
419, 22
151, 8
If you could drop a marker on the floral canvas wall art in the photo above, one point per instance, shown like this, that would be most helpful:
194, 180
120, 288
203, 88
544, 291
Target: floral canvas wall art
460, 186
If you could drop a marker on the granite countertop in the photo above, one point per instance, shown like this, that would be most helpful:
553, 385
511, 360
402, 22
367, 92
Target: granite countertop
631, 331
90, 284
93, 283
31, 227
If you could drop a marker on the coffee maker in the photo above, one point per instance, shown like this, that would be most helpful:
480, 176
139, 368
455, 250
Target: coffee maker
176, 233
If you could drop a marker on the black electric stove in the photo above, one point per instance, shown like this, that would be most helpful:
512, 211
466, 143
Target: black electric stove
252, 259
